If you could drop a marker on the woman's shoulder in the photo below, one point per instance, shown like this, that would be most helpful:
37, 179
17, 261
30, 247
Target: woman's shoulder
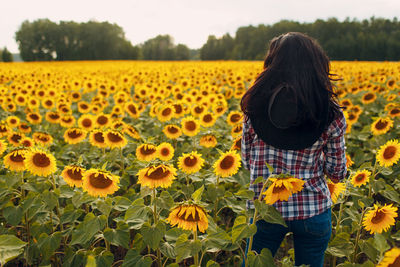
338, 124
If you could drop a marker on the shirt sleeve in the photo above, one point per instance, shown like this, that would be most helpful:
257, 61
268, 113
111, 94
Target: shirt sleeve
334, 150
247, 139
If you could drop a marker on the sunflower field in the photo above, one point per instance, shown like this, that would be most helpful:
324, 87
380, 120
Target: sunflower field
134, 163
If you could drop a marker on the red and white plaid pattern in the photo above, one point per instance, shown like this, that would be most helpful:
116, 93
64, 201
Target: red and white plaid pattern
326, 155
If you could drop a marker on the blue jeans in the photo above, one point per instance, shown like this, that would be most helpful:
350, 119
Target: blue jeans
310, 237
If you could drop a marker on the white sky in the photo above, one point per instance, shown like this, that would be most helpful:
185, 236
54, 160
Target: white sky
187, 21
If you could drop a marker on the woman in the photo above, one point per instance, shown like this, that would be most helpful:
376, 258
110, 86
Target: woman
293, 123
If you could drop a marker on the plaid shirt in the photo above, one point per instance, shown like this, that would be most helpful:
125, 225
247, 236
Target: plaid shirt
326, 155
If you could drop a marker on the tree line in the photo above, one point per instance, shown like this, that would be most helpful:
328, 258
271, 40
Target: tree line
370, 39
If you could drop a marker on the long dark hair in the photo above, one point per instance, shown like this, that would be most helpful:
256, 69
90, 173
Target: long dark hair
296, 61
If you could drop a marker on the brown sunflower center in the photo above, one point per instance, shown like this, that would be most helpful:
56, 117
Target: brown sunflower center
114, 137
237, 129
207, 118
395, 111
16, 138
54, 116
34, 116
278, 189
165, 151
381, 125
3, 129
178, 109
99, 181
396, 263
227, 162
391, 83
158, 174
379, 217
67, 120
49, 103
102, 120
190, 217
360, 177
41, 160
74, 175
132, 109
99, 137
172, 130
389, 152
84, 106
352, 116
198, 110
235, 118
166, 112
190, 161
146, 150
23, 126
368, 96
74, 134
16, 158
190, 126
87, 123
13, 121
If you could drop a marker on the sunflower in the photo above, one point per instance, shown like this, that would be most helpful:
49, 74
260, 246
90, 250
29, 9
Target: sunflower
394, 112
96, 138
351, 118
207, 119
84, 107
27, 142
165, 113
190, 126
74, 135
39, 162
391, 258
379, 219
132, 109
52, 117
368, 98
15, 160
389, 153
237, 143
131, 131
165, 151
24, 128
102, 120
237, 130
34, 117
99, 182
172, 131
179, 110
48, 103
3, 146
208, 141
15, 138
282, 188
67, 121
228, 164
146, 152
189, 217
190, 162
4, 130
198, 110
73, 175
13, 121
336, 190
155, 176
381, 126
219, 110
42, 138
234, 117
114, 139
360, 177
349, 161
86, 121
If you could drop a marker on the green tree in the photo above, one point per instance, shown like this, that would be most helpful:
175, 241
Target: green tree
6, 55
182, 52
160, 47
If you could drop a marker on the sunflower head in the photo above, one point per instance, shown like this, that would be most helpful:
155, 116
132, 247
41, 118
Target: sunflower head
146, 152
97, 139
389, 153
368, 98
86, 122
360, 177
157, 176
189, 217
40, 163
99, 182
237, 143
42, 138
172, 131
228, 164
190, 162
165, 113
190, 126
72, 175
391, 258
74, 135
165, 151
15, 138
234, 117
208, 141
381, 126
115, 139
349, 161
336, 190
15, 160
282, 188
379, 219
3, 146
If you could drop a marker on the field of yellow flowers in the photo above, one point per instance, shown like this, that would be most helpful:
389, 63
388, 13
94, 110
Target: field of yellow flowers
120, 163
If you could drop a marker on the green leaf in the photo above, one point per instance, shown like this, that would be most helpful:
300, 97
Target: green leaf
381, 243
270, 168
118, 237
258, 180
368, 247
10, 247
152, 234
105, 259
133, 258
90, 226
212, 263
168, 250
241, 229
13, 215
263, 259
269, 213
340, 246
196, 196
49, 244
50, 199
91, 261
137, 214
182, 248
245, 194
104, 206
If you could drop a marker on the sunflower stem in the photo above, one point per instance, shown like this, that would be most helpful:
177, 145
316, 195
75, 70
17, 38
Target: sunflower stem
254, 222
57, 202
358, 235
196, 255
371, 179
122, 161
155, 222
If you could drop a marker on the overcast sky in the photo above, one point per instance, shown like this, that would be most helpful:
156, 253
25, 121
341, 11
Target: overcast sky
187, 21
